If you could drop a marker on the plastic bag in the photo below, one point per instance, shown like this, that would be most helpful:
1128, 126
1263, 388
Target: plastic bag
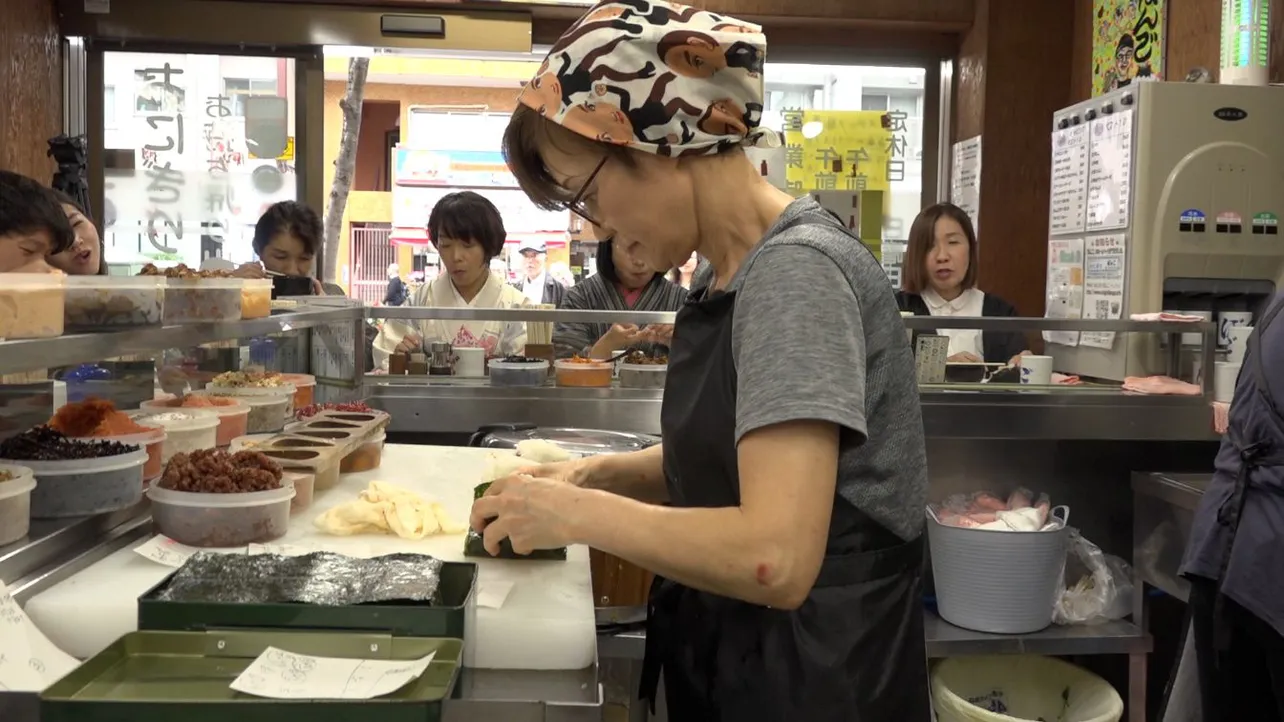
1102, 590
1022, 511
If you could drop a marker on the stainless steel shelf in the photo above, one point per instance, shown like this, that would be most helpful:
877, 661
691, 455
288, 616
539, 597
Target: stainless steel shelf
946, 640
547, 315
24, 355
425, 405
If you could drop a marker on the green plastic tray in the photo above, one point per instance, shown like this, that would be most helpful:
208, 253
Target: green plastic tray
184, 677
443, 618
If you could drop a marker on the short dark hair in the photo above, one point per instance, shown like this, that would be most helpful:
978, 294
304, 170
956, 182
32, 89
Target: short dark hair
468, 216
289, 217
526, 134
605, 262
28, 207
922, 237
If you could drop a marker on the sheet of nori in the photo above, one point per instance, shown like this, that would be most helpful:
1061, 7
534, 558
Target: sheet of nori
320, 578
474, 546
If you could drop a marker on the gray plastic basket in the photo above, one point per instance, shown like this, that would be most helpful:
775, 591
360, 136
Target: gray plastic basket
1001, 582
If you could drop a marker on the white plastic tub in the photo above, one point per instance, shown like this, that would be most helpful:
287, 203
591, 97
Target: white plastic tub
186, 430
15, 503
365, 457
233, 418
81, 487
152, 440
1017, 688
256, 298
518, 374
304, 488
268, 412
109, 302
222, 520
250, 394
189, 300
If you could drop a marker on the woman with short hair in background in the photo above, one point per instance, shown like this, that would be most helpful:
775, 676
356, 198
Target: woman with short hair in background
623, 282
287, 238
467, 231
938, 278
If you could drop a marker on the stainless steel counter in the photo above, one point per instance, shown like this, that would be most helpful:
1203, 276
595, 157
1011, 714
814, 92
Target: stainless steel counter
424, 404
1163, 511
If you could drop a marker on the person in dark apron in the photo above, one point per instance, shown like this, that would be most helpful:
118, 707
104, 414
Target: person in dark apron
1235, 559
783, 513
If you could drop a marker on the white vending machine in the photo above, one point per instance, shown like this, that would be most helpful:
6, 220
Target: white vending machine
1165, 196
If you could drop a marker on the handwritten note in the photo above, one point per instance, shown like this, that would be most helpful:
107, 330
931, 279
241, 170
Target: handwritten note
163, 550
29, 662
278, 674
491, 594
285, 550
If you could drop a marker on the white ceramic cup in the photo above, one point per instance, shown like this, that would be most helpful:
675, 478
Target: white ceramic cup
1226, 320
470, 362
1238, 343
1196, 338
909, 333
1036, 370
1225, 374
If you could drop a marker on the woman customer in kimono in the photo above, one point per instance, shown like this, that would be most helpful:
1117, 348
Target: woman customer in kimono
467, 232
623, 282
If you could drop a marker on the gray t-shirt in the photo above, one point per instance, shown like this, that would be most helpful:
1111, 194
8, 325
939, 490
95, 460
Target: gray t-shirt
817, 336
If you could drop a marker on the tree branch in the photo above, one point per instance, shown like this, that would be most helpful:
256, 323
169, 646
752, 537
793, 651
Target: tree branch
345, 163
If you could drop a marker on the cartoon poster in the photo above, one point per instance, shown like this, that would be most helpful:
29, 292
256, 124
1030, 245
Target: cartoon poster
1128, 43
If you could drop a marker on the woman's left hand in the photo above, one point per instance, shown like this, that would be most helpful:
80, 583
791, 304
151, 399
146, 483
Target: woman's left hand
1016, 360
659, 333
531, 513
317, 288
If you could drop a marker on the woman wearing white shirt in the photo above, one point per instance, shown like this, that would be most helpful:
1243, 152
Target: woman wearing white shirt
467, 231
938, 278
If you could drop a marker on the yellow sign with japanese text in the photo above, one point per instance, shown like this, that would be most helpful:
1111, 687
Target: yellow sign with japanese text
286, 155
838, 150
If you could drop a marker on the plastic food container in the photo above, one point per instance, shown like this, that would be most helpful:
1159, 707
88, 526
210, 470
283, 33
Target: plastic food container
304, 387
643, 376
267, 413
153, 441
31, 305
81, 487
247, 393
186, 430
15, 503
304, 488
233, 418
256, 298
190, 300
222, 520
309, 461
365, 457
533, 372
98, 302
593, 374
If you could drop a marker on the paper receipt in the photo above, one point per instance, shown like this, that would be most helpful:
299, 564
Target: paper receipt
29, 662
278, 674
163, 550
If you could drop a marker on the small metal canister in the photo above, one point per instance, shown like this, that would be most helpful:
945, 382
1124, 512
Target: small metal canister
441, 360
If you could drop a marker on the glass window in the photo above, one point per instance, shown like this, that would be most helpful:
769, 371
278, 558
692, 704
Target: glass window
181, 176
871, 101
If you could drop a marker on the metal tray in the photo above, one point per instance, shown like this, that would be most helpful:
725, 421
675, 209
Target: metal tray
169, 676
443, 618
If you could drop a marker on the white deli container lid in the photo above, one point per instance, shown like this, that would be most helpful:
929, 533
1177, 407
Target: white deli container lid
98, 464
192, 419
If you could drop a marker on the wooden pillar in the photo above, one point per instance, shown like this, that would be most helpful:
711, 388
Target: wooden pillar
1012, 73
30, 86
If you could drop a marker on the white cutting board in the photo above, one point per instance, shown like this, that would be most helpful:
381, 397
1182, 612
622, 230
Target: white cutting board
546, 622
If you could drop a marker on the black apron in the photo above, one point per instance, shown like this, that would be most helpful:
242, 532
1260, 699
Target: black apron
853, 652
1212, 622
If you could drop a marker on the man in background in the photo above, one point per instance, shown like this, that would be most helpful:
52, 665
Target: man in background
536, 283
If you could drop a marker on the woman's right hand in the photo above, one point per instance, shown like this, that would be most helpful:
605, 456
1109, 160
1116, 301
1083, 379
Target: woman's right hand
964, 357
620, 336
249, 270
410, 343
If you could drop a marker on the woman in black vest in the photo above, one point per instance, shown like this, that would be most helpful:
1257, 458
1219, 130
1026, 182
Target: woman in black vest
938, 278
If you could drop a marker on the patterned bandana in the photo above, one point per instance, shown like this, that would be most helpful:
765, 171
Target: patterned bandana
660, 77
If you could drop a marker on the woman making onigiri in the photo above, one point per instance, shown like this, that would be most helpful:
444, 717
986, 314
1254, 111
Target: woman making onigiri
783, 513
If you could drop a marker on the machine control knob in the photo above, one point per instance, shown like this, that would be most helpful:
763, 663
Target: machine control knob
1074, 120
1090, 115
1063, 124
1126, 100
1107, 109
